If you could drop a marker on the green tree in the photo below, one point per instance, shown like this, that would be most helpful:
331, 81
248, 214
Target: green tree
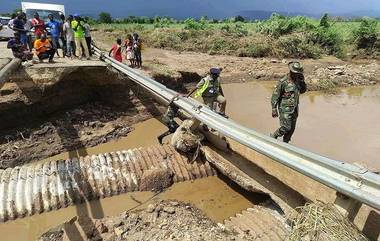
105, 17
17, 10
324, 21
239, 19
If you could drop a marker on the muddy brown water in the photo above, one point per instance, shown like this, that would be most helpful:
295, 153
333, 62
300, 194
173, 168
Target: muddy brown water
144, 134
217, 199
344, 126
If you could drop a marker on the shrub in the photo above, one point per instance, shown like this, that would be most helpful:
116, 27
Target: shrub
255, 50
162, 38
296, 46
162, 22
366, 35
279, 25
328, 38
191, 23
235, 29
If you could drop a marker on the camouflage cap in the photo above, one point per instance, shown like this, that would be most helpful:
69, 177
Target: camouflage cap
296, 67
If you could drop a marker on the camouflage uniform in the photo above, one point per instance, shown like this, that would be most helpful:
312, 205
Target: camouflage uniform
211, 92
168, 119
286, 98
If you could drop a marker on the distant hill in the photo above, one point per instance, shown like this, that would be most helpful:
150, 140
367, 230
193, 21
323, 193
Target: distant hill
261, 15
180, 9
356, 14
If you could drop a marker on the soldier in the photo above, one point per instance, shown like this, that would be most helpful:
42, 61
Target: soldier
211, 91
168, 119
286, 98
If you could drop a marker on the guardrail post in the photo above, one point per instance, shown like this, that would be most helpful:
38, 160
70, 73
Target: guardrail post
349, 207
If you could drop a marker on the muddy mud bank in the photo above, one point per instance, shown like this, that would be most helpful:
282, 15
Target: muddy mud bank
49, 109
38, 91
324, 74
180, 81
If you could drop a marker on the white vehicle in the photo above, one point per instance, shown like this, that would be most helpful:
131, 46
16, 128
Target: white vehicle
5, 31
43, 10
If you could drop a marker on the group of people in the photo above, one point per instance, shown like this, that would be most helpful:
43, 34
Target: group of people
284, 101
130, 49
71, 34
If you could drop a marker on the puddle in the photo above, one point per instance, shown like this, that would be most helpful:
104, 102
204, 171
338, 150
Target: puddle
144, 134
213, 196
343, 127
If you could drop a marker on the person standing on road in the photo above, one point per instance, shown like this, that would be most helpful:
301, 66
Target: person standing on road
80, 41
63, 36
211, 91
87, 36
38, 25
137, 44
69, 35
285, 99
55, 31
19, 26
28, 28
44, 49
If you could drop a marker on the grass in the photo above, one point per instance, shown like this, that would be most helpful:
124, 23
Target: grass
291, 37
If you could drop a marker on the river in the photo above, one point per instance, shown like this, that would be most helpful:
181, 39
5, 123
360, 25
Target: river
343, 126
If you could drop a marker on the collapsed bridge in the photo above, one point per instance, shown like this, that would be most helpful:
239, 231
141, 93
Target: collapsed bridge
72, 181
353, 181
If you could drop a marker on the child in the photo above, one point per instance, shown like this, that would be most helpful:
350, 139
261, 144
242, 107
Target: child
129, 49
116, 51
137, 44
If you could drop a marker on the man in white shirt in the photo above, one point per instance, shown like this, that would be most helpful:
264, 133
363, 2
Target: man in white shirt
69, 34
87, 35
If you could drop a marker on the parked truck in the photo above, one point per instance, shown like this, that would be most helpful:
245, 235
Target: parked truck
43, 9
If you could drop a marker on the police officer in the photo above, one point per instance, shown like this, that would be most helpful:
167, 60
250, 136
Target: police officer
168, 119
211, 91
285, 99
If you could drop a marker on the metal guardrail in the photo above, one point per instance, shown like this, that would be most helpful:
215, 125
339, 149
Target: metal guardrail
350, 180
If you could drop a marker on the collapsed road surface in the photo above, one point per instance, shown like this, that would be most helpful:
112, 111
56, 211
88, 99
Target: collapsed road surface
72, 86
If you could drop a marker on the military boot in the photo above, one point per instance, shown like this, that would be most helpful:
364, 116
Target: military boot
275, 135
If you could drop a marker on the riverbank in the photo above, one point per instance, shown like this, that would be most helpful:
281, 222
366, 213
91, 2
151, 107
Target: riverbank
180, 70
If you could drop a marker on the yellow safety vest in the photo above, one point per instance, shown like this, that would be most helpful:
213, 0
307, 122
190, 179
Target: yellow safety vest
204, 88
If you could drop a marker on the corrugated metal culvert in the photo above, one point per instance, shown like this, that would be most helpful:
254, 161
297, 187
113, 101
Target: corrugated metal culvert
41, 187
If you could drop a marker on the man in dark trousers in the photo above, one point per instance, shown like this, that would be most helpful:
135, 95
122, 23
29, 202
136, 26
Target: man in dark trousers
285, 98
168, 119
44, 49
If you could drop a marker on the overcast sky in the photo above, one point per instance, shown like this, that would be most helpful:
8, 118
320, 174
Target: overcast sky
119, 8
